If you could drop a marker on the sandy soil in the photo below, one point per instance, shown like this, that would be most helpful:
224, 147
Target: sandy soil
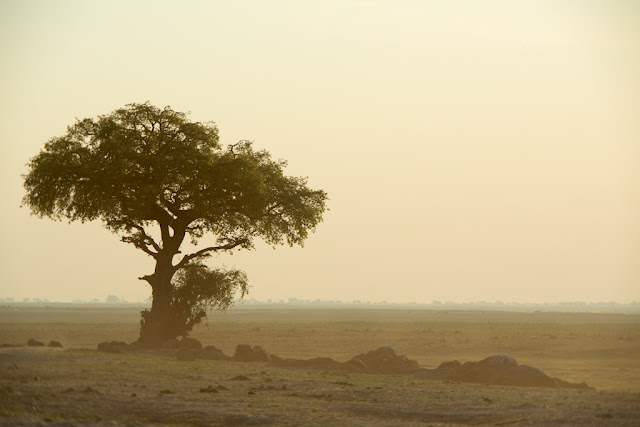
601, 349
78, 386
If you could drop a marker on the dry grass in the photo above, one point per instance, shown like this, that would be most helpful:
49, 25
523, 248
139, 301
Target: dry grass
79, 385
600, 349
88, 387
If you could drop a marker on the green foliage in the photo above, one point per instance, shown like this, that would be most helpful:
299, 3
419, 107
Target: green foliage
197, 289
141, 164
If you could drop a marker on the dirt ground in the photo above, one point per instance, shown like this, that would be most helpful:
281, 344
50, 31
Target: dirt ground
77, 385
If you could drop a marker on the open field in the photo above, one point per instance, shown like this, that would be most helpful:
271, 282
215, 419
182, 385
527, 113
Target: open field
602, 350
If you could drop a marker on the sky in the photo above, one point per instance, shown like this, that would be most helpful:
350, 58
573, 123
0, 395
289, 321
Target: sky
471, 150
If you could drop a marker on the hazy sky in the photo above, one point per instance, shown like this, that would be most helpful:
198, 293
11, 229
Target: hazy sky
472, 150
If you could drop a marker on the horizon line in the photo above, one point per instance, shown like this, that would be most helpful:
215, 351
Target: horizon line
353, 303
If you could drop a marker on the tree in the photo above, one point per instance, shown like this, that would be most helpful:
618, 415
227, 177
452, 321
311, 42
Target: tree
112, 299
155, 178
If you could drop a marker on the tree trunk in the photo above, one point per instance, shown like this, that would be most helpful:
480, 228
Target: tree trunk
157, 326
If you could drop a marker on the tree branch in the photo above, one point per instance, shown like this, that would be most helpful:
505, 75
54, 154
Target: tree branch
148, 278
232, 146
272, 209
203, 252
140, 239
164, 233
195, 320
169, 216
161, 215
147, 239
139, 242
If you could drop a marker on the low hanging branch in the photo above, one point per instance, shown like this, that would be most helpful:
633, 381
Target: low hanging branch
204, 252
198, 289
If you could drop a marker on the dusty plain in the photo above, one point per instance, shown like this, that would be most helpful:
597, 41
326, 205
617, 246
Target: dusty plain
77, 385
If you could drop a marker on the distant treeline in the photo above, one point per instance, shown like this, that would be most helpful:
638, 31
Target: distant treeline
295, 302
447, 304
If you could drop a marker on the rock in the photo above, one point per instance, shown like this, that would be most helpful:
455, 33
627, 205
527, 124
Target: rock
499, 370
212, 353
503, 370
450, 365
54, 344
382, 361
355, 365
172, 343
113, 346
186, 354
446, 371
208, 390
192, 343
528, 376
401, 365
498, 361
246, 353
318, 363
34, 343
239, 378
274, 358
385, 361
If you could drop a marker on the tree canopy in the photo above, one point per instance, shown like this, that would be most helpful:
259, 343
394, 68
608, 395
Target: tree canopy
154, 177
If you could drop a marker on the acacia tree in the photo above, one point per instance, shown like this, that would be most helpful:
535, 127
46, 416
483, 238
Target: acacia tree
155, 178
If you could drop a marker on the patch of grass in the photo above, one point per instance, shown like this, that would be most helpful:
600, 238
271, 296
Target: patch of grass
600, 349
87, 418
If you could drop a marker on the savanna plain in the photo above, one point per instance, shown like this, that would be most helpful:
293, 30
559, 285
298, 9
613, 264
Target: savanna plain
77, 385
